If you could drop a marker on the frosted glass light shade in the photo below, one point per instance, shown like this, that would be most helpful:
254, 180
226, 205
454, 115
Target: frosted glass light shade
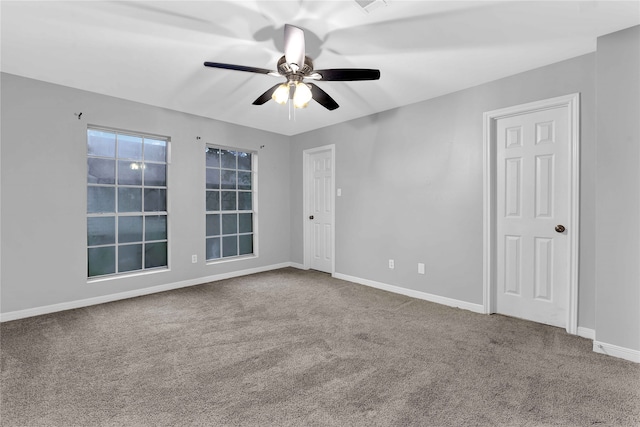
302, 95
281, 94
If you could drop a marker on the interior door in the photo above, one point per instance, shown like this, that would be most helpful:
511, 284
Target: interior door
533, 210
319, 244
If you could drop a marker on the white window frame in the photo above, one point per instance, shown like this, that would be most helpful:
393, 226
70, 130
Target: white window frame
253, 211
116, 215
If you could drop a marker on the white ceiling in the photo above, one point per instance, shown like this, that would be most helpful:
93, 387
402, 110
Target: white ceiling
153, 51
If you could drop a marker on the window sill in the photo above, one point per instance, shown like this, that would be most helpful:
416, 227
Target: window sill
231, 259
126, 275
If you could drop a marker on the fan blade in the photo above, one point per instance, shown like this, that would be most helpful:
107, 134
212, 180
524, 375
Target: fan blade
294, 46
266, 96
348, 74
323, 97
239, 68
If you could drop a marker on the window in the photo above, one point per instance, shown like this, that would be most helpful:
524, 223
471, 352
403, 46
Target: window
126, 202
229, 203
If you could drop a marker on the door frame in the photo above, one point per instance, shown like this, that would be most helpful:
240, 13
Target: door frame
572, 103
306, 154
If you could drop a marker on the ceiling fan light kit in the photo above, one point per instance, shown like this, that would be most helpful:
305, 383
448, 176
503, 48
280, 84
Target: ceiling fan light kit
298, 92
294, 66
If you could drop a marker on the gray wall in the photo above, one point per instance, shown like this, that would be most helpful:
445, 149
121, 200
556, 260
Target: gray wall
618, 190
411, 181
44, 191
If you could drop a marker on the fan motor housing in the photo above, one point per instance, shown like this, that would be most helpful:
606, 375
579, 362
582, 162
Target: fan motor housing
285, 69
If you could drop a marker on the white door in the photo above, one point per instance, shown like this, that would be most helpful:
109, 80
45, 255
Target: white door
533, 206
319, 181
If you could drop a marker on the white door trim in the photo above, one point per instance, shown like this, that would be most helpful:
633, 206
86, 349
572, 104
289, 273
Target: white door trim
307, 228
572, 103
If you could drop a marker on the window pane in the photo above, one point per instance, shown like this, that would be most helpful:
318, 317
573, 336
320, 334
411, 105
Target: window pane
129, 199
115, 168
101, 261
213, 225
213, 200
244, 180
155, 174
101, 171
101, 231
229, 171
213, 179
228, 200
213, 248
155, 227
244, 201
101, 199
129, 173
244, 161
155, 254
155, 200
101, 143
245, 223
229, 223
228, 180
228, 159
129, 258
229, 246
213, 157
155, 150
129, 229
245, 243
129, 147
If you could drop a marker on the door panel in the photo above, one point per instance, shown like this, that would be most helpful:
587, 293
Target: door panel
513, 187
544, 186
320, 211
543, 268
532, 198
513, 261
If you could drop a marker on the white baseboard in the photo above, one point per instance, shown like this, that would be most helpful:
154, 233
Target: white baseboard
298, 266
616, 351
586, 333
37, 311
476, 308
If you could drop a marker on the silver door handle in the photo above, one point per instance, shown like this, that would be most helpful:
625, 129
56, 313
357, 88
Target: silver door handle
560, 228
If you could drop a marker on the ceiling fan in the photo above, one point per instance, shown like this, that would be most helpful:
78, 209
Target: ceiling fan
296, 67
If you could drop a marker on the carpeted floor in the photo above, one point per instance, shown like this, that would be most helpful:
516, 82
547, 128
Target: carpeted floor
298, 348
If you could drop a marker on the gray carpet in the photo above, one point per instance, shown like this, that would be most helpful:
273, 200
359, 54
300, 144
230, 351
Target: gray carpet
298, 348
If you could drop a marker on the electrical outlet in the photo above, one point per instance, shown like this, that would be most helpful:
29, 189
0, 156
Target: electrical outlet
194, 259
420, 268
392, 264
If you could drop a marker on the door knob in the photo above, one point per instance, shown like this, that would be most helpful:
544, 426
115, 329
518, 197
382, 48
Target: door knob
310, 216
560, 228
